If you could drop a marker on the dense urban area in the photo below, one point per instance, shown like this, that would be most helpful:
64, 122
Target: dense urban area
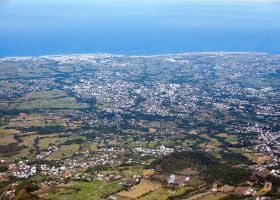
201, 126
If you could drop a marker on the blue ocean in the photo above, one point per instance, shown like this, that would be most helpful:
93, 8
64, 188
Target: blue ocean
137, 27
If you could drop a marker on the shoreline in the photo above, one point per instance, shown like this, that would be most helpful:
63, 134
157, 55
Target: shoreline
140, 56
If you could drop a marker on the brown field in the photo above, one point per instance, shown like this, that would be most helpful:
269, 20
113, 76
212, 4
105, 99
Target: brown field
214, 196
7, 139
9, 131
144, 187
28, 140
164, 193
198, 196
266, 188
259, 158
147, 173
256, 157
226, 188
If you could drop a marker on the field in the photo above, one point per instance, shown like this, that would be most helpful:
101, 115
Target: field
164, 193
214, 196
132, 171
228, 138
49, 94
266, 188
143, 188
46, 141
60, 103
86, 191
93, 146
49, 99
28, 140
256, 157
8, 131
65, 151
147, 173
7, 139
24, 153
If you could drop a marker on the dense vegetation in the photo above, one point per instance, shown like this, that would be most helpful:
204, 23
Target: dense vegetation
210, 167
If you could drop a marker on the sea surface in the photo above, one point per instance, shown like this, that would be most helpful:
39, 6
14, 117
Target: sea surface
137, 27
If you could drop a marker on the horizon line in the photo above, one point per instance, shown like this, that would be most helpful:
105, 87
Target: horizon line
133, 55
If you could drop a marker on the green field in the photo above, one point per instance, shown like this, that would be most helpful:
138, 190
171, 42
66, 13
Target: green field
228, 138
86, 191
65, 151
49, 94
59, 103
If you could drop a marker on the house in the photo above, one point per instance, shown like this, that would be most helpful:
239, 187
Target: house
179, 180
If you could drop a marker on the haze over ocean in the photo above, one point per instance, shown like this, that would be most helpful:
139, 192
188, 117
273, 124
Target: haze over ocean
35, 27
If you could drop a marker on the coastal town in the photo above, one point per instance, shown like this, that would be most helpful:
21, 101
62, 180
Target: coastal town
155, 123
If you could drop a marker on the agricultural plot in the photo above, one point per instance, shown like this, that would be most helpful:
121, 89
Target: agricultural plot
59, 103
45, 142
214, 196
143, 188
165, 193
49, 94
86, 191
132, 171
256, 157
65, 151
7, 139
228, 138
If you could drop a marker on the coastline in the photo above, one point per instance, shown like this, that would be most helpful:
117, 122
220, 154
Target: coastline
139, 56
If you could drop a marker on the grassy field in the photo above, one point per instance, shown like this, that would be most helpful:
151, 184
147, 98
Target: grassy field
28, 140
24, 120
259, 158
147, 172
22, 154
45, 142
228, 138
93, 146
164, 193
49, 94
143, 188
58, 103
65, 151
214, 196
216, 154
132, 171
86, 191
256, 157
7, 139
8, 131
52, 99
